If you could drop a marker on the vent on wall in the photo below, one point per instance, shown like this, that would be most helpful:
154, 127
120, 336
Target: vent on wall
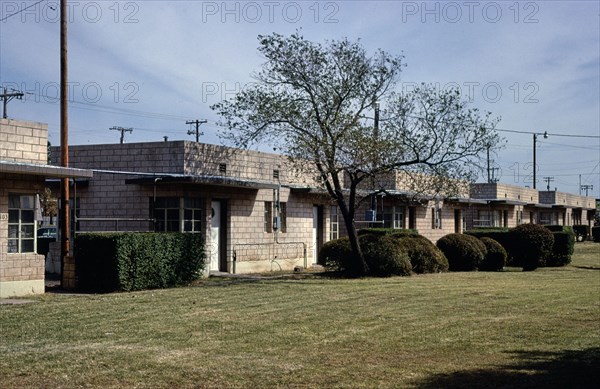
222, 168
276, 174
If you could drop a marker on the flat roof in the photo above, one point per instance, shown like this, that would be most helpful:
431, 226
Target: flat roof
34, 169
202, 180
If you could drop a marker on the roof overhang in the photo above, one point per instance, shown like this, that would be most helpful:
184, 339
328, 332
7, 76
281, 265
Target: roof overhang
507, 202
539, 205
466, 200
50, 171
201, 180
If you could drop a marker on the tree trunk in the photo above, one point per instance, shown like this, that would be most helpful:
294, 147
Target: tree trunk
358, 267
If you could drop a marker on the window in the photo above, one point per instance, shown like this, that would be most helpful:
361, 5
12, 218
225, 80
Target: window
268, 216
334, 223
519, 217
487, 219
222, 168
436, 218
283, 217
398, 217
192, 214
21, 224
275, 174
175, 214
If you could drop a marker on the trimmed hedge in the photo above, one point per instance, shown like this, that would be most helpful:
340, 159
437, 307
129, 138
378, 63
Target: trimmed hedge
135, 261
384, 256
532, 245
424, 256
504, 236
596, 233
562, 249
582, 231
495, 257
335, 254
464, 252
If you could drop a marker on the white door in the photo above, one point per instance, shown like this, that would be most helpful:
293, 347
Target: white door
315, 233
215, 226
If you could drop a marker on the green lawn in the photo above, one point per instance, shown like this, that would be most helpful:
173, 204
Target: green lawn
505, 329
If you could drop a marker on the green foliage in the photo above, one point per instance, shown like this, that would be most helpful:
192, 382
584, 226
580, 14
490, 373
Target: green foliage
335, 254
495, 257
582, 231
384, 256
533, 244
135, 261
424, 256
464, 252
562, 249
596, 233
504, 236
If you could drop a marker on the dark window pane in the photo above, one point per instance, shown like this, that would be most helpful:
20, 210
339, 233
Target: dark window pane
192, 202
172, 214
14, 202
27, 246
173, 226
188, 214
187, 226
13, 216
197, 226
27, 216
27, 231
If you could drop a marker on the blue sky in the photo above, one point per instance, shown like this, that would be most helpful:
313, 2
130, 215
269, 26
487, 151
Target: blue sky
153, 65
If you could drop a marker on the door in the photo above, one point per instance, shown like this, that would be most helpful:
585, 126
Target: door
317, 231
215, 235
457, 221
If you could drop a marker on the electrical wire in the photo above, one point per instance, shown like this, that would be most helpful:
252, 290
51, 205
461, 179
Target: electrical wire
22, 10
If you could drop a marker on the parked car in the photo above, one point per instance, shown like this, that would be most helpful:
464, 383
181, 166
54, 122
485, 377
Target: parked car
45, 235
46, 232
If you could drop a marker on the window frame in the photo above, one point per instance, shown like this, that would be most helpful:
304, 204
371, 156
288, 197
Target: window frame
20, 224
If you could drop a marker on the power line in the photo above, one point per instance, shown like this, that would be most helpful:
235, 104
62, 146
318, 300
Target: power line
21, 10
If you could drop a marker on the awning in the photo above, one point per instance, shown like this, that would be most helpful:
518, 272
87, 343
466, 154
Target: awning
507, 202
202, 180
33, 169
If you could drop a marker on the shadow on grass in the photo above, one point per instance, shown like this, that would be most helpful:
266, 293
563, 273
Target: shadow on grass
534, 369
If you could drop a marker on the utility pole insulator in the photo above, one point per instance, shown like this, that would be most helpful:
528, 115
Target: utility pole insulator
197, 132
123, 131
6, 97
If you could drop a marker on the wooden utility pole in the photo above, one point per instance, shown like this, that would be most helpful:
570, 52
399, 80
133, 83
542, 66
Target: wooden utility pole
64, 139
197, 123
6, 97
123, 131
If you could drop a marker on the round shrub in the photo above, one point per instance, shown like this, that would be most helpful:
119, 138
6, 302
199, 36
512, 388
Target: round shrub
495, 257
335, 254
562, 249
384, 256
533, 244
464, 252
424, 256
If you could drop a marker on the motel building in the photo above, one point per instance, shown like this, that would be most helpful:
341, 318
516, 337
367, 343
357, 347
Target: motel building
256, 212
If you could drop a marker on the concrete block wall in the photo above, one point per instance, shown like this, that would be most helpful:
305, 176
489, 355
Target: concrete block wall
20, 273
22, 141
501, 191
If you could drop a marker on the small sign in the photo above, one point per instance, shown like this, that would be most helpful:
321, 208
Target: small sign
3, 217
